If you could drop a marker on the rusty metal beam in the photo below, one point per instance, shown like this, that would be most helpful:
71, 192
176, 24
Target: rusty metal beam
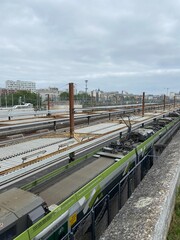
71, 109
48, 104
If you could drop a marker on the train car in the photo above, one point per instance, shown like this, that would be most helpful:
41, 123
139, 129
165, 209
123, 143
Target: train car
26, 106
79, 214
19, 210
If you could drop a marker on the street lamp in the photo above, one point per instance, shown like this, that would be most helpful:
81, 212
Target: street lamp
167, 89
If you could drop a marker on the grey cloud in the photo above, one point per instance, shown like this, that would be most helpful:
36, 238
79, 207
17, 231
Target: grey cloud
104, 41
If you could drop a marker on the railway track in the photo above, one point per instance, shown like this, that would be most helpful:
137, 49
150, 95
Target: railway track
39, 164
54, 121
102, 192
95, 200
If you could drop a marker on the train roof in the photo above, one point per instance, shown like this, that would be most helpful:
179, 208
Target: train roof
15, 203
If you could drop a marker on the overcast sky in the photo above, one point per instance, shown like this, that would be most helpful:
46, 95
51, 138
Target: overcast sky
129, 45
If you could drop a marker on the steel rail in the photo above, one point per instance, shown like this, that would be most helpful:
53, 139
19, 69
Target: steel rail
15, 176
10, 112
35, 125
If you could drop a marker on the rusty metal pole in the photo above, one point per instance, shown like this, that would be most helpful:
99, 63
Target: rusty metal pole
164, 102
143, 104
174, 101
48, 105
71, 109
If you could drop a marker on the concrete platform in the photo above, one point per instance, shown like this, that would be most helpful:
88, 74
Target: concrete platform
101, 128
147, 213
31, 150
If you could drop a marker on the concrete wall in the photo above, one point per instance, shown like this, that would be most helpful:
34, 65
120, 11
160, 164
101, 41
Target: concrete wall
147, 213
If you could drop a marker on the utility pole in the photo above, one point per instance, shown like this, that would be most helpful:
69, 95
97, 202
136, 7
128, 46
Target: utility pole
6, 99
71, 109
20, 100
143, 104
48, 104
174, 101
37, 104
164, 108
167, 91
86, 88
12, 100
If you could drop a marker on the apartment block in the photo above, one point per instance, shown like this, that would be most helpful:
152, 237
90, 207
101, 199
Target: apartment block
21, 85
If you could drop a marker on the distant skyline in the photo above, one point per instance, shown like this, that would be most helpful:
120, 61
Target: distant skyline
128, 45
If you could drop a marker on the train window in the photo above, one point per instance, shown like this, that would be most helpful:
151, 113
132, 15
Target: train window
8, 234
36, 214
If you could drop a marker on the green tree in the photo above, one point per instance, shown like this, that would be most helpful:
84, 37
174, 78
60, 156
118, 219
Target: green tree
20, 97
64, 96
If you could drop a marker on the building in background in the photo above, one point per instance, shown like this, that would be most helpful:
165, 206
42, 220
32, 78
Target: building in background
173, 94
51, 91
21, 85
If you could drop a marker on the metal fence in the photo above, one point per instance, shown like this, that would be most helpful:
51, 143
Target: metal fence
93, 225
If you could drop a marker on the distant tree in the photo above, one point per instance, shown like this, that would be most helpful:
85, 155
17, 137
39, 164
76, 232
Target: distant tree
64, 96
83, 98
19, 97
